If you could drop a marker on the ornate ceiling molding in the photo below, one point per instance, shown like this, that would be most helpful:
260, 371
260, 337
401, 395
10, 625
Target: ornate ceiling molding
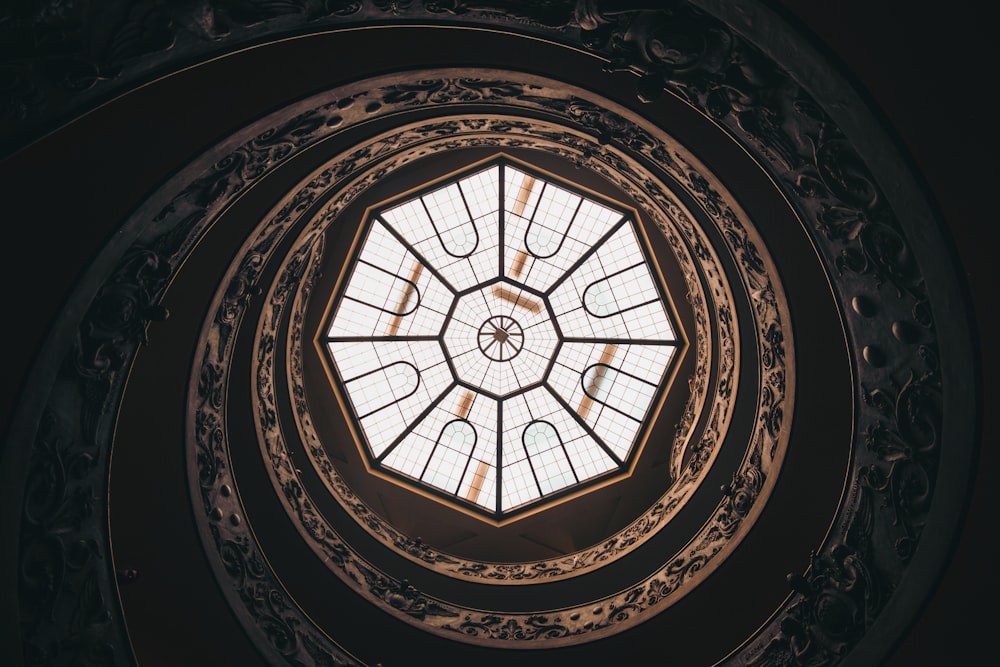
217, 491
874, 234
576, 148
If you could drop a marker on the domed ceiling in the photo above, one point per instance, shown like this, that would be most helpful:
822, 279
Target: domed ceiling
557, 333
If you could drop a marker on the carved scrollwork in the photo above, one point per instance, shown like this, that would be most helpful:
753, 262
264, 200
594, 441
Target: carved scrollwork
622, 611
904, 441
65, 569
833, 605
119, 315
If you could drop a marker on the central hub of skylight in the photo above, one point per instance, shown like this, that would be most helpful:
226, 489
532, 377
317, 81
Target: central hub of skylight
500, 338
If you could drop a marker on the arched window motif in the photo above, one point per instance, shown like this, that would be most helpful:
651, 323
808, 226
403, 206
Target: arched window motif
623, 392
447, 463
387, 385
620, 292
539, 436
547, 230
549, 461
452, 222
382, 290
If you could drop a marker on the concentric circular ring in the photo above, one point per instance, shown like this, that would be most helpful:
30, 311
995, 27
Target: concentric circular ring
752, 483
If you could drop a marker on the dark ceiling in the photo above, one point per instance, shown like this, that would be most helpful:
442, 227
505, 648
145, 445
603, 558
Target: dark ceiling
927, 73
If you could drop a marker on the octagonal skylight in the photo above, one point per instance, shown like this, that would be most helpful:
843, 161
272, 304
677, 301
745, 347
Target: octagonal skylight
501, 338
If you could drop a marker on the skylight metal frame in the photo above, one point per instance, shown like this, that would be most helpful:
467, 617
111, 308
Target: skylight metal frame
623, 462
